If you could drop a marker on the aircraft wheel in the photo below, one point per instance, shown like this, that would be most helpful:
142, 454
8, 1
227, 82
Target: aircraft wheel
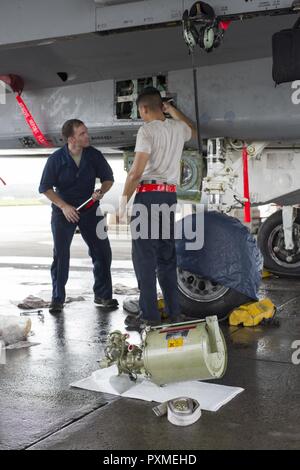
200, 297
277, 259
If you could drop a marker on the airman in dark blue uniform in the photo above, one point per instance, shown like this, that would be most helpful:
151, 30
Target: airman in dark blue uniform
72, 171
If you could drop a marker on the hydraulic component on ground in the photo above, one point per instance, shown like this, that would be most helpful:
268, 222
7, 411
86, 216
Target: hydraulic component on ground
193, 350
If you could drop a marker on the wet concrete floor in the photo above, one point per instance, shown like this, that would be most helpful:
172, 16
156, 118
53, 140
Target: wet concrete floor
39, 410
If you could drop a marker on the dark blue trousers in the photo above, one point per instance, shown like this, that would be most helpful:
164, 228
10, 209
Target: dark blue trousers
155, 258
99, 251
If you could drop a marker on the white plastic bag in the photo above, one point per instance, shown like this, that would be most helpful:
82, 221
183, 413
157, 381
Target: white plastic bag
14, 329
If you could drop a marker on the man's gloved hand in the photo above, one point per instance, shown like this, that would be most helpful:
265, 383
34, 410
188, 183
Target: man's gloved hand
97, 195
70, 213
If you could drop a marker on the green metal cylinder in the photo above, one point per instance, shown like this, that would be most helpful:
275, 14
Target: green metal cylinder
189, 351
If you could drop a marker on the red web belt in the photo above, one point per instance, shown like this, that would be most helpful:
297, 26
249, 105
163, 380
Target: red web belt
146, 188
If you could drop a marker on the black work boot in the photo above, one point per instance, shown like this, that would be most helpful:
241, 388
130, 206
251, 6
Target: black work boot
56, 307
111, 304
138, 323
177, 319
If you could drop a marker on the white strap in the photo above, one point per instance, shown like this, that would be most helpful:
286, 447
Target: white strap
181, 411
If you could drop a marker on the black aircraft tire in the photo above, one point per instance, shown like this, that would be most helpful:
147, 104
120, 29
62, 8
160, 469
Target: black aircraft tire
227, 299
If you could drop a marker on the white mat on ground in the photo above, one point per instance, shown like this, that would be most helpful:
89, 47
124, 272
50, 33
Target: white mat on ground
210, 396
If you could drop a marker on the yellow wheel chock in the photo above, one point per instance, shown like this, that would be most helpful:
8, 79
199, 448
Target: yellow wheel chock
161, 308
253, 313
266, 274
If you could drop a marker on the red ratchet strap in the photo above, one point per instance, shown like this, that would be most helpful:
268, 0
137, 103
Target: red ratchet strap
86, 205
247, 207
90, 204
17, 84
146, 188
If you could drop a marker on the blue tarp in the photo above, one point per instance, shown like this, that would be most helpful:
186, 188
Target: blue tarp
230, 255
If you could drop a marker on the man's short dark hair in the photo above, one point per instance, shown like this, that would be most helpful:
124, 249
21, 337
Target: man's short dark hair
151, 98
69, 126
